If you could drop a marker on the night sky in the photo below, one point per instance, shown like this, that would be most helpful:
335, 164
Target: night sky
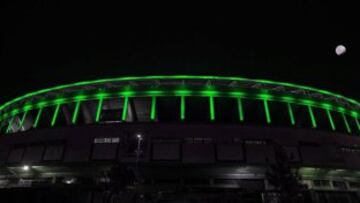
46, 44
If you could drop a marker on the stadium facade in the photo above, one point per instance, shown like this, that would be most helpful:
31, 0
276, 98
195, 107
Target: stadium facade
194, 138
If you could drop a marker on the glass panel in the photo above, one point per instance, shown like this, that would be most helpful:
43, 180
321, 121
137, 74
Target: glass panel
112, 110
140, 108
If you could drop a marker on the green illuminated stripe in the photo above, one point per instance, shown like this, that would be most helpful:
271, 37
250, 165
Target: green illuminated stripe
311, 113
348, 129
182, 108
10, 125
240, 109
98, 111
175, 77
330, 119
23, 119
37, 119
56, 112
125, 109
267, 111
291, 114
153, 109
76, 112
212, 108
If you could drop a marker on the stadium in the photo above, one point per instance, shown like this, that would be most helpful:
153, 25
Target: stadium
158, 138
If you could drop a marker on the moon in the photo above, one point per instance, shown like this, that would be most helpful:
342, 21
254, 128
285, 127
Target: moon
340, 50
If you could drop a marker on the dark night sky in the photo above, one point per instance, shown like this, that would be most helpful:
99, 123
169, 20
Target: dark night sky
44, 45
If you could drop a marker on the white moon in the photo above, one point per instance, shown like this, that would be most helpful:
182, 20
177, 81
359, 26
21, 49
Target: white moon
340, 50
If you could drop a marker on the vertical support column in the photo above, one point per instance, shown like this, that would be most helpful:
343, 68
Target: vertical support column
125, 108
267, 111
99, 108
212, 108
23, 119
240, 109
76, 112
10, 125
153, 108
348, 129
291, 114
330, 119
312, 117
37, 119
182, 108
56, 112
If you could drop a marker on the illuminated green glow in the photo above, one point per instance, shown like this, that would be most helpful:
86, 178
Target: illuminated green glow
56, 112
99, 107
182, 108
23, 118
212, 108
348, 129
10, 125
291, 114
260, 81
330, 119
125, 108
312, 117
76, 112
37, 119
240, 109
153, 109
267, 111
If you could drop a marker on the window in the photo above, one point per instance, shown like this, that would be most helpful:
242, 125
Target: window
111, 110
321, 183
339, 184
140, 108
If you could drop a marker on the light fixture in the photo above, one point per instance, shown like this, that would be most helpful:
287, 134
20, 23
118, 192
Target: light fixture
139, 136
26, 168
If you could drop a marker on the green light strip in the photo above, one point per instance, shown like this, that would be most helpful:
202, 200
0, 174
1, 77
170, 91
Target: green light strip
76, 112
182, 108
312, 117
212, 108
56, 113
330, 119
125, 108
23, 119
153, 109
267, 111
188, 93
240, 109
260, 81
348, 129
291, 114
10, 125
98, 111
37, 119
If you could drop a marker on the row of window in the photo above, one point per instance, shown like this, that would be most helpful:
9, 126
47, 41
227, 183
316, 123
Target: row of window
182, 109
